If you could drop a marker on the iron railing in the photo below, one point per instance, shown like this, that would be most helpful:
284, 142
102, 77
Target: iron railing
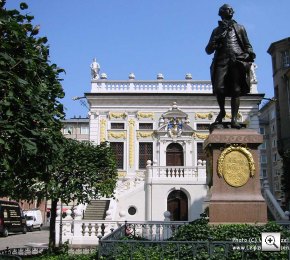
153, 241
34, 251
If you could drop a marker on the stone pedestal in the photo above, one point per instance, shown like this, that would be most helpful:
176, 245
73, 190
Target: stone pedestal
233, 177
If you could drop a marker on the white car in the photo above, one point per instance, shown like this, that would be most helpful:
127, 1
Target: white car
33, 219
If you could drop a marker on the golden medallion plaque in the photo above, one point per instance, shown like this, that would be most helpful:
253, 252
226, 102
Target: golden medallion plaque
236, 165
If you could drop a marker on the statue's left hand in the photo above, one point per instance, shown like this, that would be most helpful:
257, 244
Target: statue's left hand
252, 56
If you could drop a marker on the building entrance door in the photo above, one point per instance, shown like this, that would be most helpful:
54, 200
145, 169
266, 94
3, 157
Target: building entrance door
177, 205
174, 155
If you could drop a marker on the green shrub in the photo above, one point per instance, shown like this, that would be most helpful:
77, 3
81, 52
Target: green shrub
200, 230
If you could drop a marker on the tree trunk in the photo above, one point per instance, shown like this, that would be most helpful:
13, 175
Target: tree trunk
52, 224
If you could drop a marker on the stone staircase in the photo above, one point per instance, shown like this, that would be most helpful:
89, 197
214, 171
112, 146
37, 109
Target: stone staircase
274, 207
96, 210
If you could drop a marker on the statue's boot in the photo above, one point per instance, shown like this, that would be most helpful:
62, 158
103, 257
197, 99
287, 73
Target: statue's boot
235, 124
235, 104
220, 117
222, 113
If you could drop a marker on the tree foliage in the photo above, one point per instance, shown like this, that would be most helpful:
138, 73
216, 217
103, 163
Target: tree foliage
79, 172
36, 160
30, 110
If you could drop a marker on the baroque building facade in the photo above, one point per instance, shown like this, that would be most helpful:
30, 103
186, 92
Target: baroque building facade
157, 129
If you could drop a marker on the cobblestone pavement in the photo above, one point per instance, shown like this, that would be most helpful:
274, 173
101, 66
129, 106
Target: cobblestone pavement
19, 240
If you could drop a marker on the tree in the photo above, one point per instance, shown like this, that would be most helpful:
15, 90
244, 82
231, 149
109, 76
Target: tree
30, 110
36, 160
80, 171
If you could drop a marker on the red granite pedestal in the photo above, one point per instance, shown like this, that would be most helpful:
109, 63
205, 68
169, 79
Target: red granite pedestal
229, 203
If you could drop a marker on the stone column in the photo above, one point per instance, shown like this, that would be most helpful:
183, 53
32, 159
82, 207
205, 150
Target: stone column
233, 177
148, 191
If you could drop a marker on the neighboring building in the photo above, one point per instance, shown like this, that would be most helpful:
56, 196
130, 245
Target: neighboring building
280, 53
76, 128
166, 122
270, 161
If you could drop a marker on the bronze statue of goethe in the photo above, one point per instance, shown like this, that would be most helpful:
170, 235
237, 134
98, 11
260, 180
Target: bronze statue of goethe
230, 69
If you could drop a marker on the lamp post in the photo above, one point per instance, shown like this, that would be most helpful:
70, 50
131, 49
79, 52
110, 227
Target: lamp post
60, 224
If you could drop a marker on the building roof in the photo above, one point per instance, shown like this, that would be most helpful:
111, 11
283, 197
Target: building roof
76, 120
274, 44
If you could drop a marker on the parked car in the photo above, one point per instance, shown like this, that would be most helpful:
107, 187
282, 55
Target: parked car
11, 218
33, 219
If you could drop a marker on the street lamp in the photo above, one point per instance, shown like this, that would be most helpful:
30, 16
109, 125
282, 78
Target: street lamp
83, 102
270, 99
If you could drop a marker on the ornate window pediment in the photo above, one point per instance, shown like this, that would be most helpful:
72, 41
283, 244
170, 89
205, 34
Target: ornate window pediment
174, 123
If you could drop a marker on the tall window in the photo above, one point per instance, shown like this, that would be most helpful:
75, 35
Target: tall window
200, 152
118, 149
174, 155
272, 114
145, 154
262, 130
263, 145
285, 59
263, 158
264, 173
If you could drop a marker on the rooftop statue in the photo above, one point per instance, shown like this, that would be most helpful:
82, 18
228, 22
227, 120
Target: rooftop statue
95, 69
231, 66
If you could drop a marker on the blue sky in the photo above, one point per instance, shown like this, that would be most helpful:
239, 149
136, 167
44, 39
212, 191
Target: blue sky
148, 37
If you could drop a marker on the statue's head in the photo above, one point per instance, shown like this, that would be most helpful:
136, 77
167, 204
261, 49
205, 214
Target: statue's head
226, 11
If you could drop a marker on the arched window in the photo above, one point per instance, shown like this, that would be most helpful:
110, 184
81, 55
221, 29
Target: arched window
174, 155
